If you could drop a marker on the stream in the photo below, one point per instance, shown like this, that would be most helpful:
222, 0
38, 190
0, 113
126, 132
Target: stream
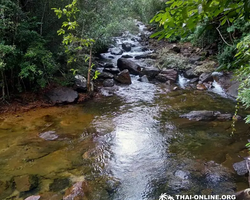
129, 144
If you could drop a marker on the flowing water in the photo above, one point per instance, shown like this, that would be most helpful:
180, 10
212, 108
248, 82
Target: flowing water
131, 145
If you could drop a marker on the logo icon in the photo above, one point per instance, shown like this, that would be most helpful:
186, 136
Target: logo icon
164, 196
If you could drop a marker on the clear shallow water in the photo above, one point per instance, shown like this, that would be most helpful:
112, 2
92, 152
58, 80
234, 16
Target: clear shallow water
132, 145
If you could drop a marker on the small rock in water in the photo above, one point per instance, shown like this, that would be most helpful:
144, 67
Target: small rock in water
144, 79
37, 197
201, 86
48, 135
108, 83
77, 191
123, 77
241, 168
175, 88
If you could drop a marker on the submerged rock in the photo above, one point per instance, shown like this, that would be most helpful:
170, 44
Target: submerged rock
76, 192
126, 46
26, 182
144, 79
201, 115
116, 51
48, 135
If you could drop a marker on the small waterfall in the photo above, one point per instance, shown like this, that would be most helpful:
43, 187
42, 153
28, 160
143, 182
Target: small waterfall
182, 81
216, 88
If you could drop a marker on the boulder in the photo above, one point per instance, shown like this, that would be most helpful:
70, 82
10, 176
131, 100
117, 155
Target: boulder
131, 66
80, 83
62, 95
77, 191
48, 135
105, 75
205, 77
190, 73
26, 182
201, 115
126, 46
241, 167
37, 197
144, 79
116, 51
171, 74
123, 77
59, 184
233, 89
108, 65
111, 70
150, 72
108, 83
162, 78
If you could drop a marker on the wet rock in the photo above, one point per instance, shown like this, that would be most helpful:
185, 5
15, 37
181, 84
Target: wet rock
224, 117
171, 74
116, 51
162, 78
181, 174
243, 195
112, 70
123, 77
62, 95
201, 86
105, 75
48, 135
59, 184
233, 90
202, 115
195, 59
144, 79
26, 182
205, 77
126, 46
76, 192
194, 80
241, 167
150, 72
190, 73
127, 56
80, 83
108, 83
108, 65
131, 66
37, 197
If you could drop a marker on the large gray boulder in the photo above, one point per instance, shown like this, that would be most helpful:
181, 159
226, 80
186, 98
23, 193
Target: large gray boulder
132, 67
123, 77
62, 95
200, 115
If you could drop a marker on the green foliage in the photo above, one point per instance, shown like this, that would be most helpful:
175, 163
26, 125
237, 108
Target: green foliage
226, 57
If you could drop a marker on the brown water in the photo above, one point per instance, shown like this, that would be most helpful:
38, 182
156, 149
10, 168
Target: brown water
132, 145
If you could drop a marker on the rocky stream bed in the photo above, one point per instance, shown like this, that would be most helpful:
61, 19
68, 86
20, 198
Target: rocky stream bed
162, 125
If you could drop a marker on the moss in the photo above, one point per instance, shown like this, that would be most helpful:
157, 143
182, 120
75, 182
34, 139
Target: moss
207, 67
